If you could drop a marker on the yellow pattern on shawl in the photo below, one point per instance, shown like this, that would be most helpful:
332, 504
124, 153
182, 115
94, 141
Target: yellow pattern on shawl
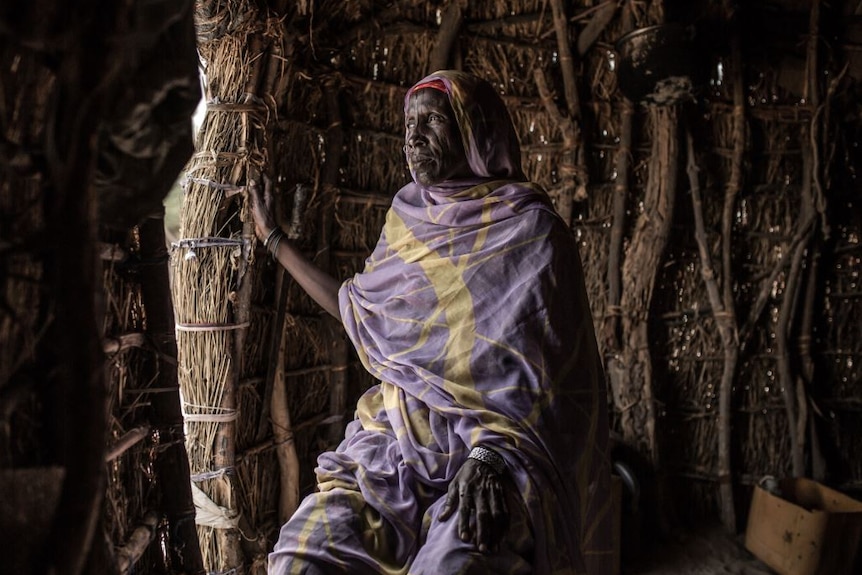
445, 275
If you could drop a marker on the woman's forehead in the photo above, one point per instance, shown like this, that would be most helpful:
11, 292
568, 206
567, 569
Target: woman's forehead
428, 97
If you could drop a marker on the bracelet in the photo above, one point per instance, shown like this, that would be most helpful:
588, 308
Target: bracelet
272, 233
273, 242
489, 457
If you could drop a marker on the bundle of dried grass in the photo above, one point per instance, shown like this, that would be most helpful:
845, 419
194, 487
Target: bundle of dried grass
211, 271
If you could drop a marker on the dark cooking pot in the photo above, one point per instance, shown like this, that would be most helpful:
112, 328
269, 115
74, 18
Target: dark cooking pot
657, 64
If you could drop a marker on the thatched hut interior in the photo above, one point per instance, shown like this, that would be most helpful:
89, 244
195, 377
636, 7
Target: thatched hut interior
165, 388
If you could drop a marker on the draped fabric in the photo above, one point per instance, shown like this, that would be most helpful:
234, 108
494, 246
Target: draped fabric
472, 314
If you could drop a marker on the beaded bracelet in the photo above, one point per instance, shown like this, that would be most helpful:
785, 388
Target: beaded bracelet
489, 457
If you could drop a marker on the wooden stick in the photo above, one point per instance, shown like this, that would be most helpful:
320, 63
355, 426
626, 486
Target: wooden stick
735, 182
447, 36
610, 328
649, 239
138, 541
276, 410
288, 462
567, 162
338, 351
766, 287
122, 342
782, 354
727, 330
806, 379
172, 462
567, 63
795, 399
573, 164
803, 342
129, 439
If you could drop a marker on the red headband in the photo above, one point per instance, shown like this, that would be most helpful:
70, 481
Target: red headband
435, 83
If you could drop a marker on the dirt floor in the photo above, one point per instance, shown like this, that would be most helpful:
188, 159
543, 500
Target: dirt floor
703, 551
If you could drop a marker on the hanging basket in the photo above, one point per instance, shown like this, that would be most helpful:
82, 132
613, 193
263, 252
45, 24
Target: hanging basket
657, 64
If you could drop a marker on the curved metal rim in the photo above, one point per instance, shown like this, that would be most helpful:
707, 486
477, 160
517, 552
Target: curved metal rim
622, 41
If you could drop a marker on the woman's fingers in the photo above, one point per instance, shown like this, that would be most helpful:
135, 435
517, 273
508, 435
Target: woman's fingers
451, 503
267, 192
465, 510
261, 209
484, 516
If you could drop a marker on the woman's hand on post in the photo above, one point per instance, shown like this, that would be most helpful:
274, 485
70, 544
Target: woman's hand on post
322, 287
262, 207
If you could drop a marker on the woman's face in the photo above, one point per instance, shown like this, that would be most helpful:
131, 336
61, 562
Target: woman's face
435, 152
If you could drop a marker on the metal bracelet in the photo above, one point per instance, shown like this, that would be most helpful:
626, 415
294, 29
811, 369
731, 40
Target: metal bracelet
275, 231
273, 244
489, 457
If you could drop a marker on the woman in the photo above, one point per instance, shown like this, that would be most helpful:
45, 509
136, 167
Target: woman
482, 449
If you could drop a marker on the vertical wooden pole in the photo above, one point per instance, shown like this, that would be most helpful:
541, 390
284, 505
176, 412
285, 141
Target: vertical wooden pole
573, 167
172, 464
636, 401
339, 351
610, 332
86, 71
726, 325
795, 401
450, 25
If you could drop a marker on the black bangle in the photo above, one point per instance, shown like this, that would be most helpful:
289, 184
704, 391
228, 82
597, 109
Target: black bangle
489, 457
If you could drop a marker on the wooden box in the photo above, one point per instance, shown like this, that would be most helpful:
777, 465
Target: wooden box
809, 530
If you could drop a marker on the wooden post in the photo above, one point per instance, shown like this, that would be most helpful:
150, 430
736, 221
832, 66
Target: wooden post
610, 336
573, 167
172, 463
634, 396
339, 351
450, 25
138, 541
282, 432
795, 401
85, 72
726, 323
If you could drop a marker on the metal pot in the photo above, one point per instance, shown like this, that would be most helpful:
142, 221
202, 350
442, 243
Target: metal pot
657, 65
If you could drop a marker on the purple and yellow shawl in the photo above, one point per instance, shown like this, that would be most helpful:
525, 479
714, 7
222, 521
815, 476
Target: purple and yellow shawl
472, 313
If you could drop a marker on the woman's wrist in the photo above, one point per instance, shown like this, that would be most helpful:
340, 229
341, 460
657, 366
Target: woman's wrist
268, 235
490, 458
273, 238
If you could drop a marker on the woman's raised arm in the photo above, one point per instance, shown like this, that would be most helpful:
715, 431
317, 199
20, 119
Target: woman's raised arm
322, 287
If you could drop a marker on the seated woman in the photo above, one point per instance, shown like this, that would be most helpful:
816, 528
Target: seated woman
482, 448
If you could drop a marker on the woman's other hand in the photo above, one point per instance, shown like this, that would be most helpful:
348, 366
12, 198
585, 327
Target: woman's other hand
478, 494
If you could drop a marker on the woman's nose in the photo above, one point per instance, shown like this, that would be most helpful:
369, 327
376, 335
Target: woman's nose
415, 137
